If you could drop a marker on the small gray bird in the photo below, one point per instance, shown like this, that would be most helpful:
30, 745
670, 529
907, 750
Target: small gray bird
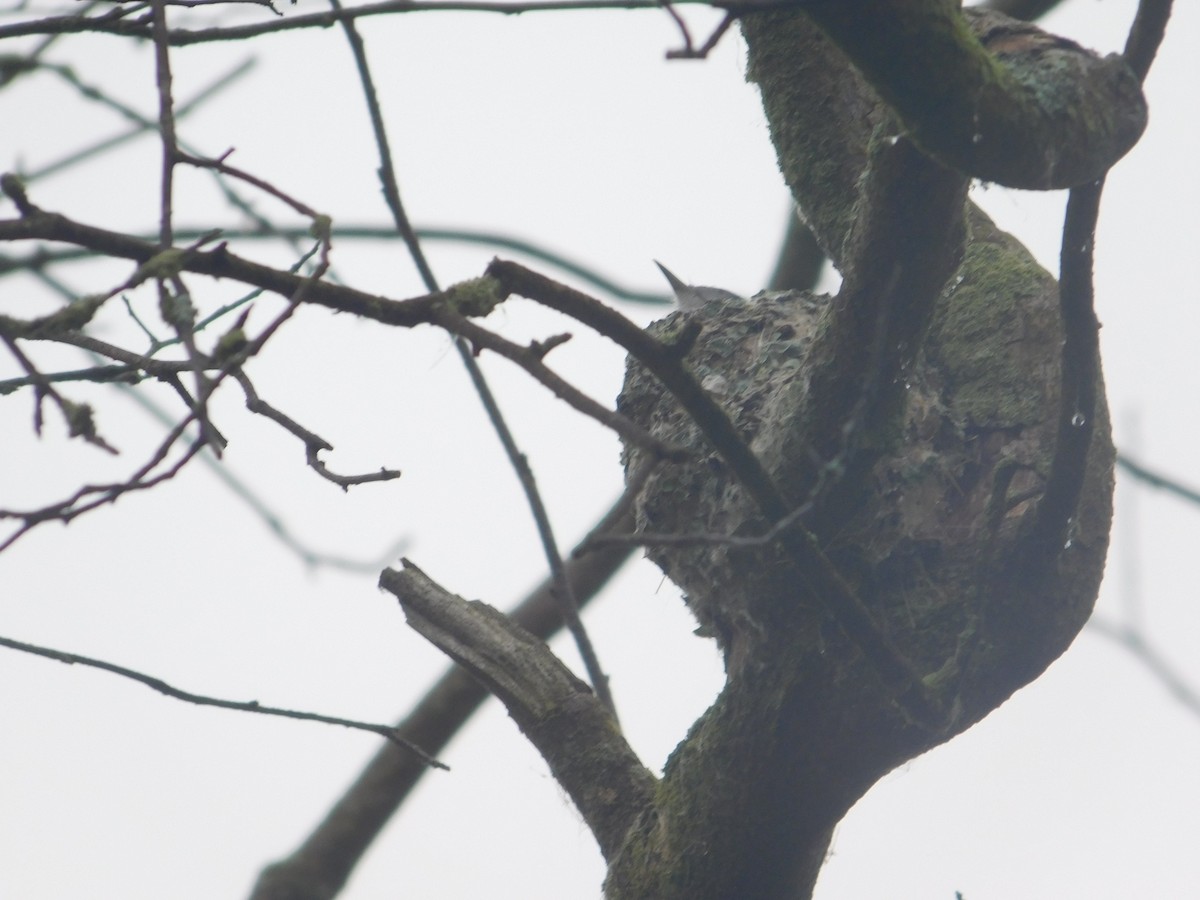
690, 296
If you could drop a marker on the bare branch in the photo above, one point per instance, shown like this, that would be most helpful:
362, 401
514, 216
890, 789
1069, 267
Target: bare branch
140, 123
1154, 479
180, 37
78, 416
813, 566
530, 359
660, 359
1152, 658
166, 121
571, 728
320, 866
92, 374
689, 50
93, 496
169, 260
313, 443
438, 308
391, 193
220, 263
992, 97
1081, 346
566, 595
250, 706
1050, 531
1146, 34
43, 257
219, 165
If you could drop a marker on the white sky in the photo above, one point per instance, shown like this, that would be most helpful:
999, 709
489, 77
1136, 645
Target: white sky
571, 130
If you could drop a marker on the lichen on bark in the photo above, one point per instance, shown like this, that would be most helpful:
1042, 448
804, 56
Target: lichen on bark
932, 548
920, 495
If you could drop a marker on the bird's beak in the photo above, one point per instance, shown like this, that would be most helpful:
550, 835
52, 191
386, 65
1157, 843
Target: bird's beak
676, 285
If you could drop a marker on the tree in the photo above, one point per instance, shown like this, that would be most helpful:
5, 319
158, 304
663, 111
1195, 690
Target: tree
834, 475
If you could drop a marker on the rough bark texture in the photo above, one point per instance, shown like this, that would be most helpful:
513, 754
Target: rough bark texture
989, 95
559, 714
921, 494
804, 726
909, 423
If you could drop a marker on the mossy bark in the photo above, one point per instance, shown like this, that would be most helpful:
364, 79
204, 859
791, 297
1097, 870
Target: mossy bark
922, 503
805, 724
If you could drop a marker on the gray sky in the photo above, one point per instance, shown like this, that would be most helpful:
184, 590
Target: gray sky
570, 130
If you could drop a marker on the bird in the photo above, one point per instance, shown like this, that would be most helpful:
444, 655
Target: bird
690, 296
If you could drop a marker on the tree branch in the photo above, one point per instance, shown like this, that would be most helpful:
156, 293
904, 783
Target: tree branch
43, 258
1154, 479
524, 473
250, 706
182, 37
813, 567
319, 867
1051, 528
563, 719
1152, 659
447, 308
220, 263
993, 97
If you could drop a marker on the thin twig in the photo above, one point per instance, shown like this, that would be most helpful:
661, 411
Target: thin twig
219, 165
688, 51
1150, 657
691, 52
73, 507
174, 299
239, 488
42, 257
250, 706
391, 192
160, 368
14, 66
78, 416
98, 374
661, 360
1155, 479
812, 563
141, 124
181, 37
562, 584
530, 359
166, 122
313, 443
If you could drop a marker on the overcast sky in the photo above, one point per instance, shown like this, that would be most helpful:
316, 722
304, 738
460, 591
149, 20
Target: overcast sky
570, 130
